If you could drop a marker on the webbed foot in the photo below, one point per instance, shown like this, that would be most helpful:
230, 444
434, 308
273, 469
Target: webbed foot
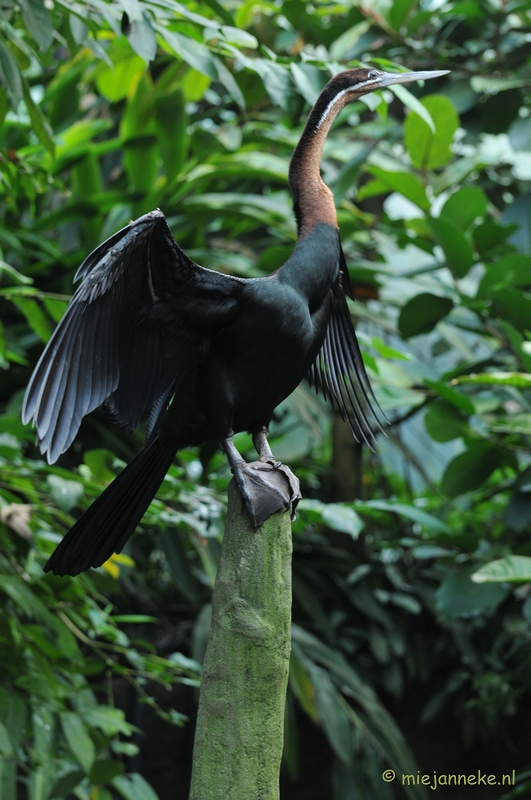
266, 485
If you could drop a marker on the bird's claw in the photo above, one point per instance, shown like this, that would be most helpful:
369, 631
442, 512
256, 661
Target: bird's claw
264, 496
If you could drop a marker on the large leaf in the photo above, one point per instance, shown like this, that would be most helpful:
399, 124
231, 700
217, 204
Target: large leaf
445, 422
422, 313
405, 183
511, 569
431, 149
78, 739
471, 469
456, 247
458, 596
465, 206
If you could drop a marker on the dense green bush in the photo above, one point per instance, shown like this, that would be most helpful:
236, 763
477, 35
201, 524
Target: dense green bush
111, 109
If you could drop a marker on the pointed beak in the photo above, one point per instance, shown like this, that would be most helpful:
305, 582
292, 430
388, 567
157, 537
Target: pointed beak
390, 78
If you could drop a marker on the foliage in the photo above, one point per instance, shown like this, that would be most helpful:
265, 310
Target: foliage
111, 109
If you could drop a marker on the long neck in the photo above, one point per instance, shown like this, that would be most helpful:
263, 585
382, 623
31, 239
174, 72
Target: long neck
313, 201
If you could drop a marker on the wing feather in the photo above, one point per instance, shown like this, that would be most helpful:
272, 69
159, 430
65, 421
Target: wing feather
143, 312
339, 373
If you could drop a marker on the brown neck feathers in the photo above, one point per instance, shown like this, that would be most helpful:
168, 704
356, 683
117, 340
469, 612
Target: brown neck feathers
313, 201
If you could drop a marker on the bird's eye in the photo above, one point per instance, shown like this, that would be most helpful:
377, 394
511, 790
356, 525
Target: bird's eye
373, 74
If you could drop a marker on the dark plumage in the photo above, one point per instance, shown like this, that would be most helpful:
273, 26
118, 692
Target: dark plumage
202, 355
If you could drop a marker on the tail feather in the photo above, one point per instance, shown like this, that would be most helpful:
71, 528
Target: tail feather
109, 522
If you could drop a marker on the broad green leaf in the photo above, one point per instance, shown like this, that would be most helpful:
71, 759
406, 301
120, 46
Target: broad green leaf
67, 783
109, 720
519, 379
38, 21
116, 82
413, 513
105, 770
405, 183
444, 422
513, 306
10, 76
308, 80
511, 569
469, 470
37, 319
458, 596
78, 739
342, 518
200, 58
141, 37
430, 148
457, 399
422, 313
510, 271
521, 423
418, 108
40, 124
456, 247
331, 712
66, 494
6, 748
134, 787
171, 122
399, 11
465, 206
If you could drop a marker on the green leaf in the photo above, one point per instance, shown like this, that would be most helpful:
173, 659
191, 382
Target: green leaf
141, 36
117, 81
134, 787
399, 11
522, 380
465, 206
512, 305
419, 109
444, 422
342, 518
511, 569
109, 720
427, 521
78, 739
10, 76
66, 494
105, 770
404, 183
458, 596
37, 319
422, 313
40, 124
430, 148
331, 712
200, 58
6, 748
510, 271
456, 247
457, 399
38, 21
469, 470
64, 785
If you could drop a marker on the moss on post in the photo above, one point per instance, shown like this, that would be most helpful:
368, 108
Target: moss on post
240, 722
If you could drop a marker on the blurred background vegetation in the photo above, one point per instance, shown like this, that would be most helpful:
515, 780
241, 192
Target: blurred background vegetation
412, 604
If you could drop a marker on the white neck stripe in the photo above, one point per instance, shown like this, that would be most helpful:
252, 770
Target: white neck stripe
354, 88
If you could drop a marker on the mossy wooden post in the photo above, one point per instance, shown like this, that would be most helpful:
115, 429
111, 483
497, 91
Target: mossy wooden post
240, 722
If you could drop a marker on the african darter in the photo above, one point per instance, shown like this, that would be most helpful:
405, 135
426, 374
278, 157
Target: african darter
200, 354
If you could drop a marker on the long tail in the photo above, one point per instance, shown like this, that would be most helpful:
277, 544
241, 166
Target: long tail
109, 522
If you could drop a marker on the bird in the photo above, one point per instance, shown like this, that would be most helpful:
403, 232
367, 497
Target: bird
202, 355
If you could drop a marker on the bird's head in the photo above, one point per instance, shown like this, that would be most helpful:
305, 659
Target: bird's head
347, 86
363, 80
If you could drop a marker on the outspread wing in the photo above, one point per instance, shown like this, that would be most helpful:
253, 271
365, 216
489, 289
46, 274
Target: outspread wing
142, 315
338, 371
